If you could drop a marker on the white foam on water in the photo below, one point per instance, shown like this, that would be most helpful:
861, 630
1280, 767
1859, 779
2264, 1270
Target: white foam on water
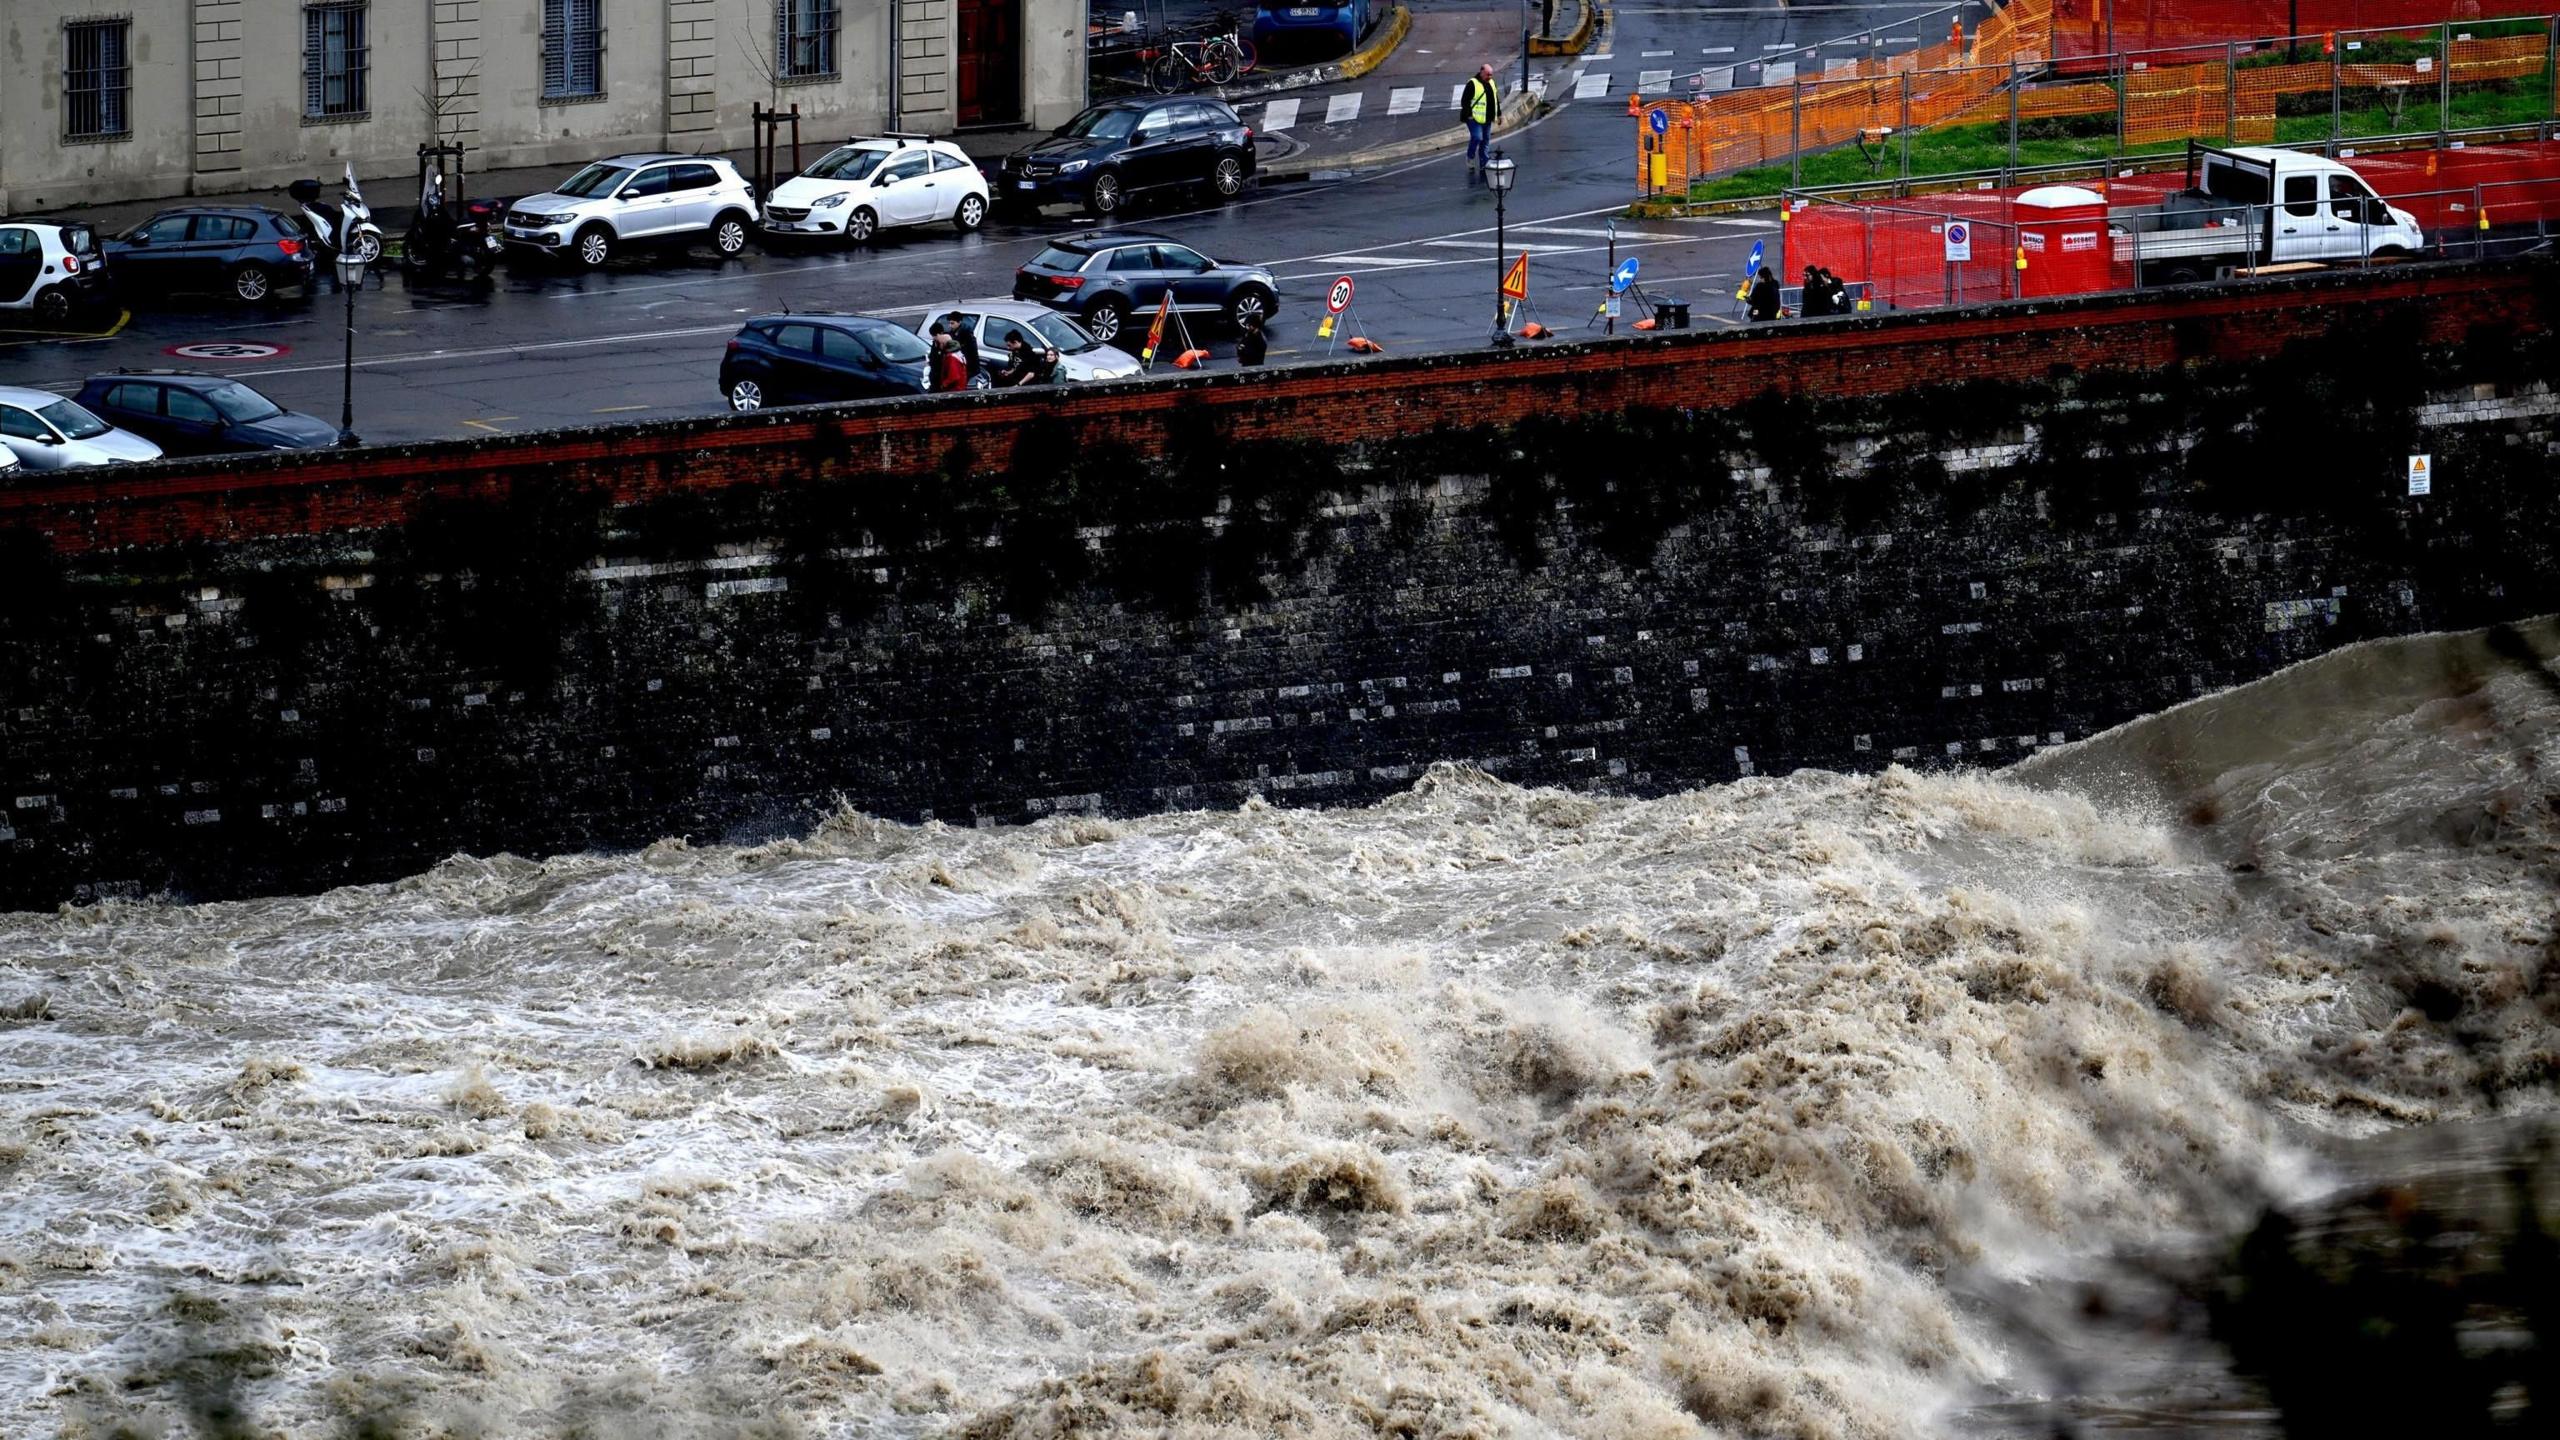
1519, 1112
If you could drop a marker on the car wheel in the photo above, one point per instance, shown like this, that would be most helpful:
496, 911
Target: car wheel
53, 307
594, 247
729, 235
1105, 196
861, 225
1228, 178
971, 214
368, 246
1105, 318
252, 283
1252, 300
746, 396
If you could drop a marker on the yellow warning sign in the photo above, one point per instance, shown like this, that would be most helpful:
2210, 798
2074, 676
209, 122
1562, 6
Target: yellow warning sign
1515, 281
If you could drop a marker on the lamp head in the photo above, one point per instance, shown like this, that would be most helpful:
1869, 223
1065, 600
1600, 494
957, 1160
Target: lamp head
350, 270
1500, 171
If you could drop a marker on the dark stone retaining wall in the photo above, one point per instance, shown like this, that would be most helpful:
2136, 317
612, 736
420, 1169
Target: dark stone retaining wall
1921, 538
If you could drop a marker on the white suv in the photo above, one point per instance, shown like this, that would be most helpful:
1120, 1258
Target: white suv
862, 187
637, 199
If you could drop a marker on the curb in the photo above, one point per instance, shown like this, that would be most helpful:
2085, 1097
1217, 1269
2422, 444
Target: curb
1576, 42
1390, 35
1516, 112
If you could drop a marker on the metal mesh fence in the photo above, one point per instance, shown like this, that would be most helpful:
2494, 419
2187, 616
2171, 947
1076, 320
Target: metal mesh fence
2001, 99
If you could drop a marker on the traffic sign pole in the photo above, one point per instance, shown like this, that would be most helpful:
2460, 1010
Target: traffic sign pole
1612, 327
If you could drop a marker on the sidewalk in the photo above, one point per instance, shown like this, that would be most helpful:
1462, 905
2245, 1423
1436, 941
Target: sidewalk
1408, 106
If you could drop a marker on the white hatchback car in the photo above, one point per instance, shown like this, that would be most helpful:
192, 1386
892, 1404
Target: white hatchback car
53, 432
629, 200
860, 188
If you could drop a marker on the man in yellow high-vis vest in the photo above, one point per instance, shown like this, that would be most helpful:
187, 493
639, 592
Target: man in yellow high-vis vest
1480, 104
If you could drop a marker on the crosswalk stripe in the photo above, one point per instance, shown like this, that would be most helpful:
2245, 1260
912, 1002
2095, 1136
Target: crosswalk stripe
1902, 39
1372, 260
1592, 85
1653, 80
1782, 45
1404, 100
1603, 55
1719, 79
1659, 54
1740, 224
1340, 108
1457, 94
1838, 63
1279, 114
1580, 233
1717, 50
1778, 72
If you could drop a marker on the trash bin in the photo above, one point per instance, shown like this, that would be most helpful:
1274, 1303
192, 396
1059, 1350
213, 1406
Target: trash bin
1670, 314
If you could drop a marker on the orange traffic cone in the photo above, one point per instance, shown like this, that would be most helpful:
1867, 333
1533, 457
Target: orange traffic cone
1189, 359
1646, 323
1363, 345
1534, 331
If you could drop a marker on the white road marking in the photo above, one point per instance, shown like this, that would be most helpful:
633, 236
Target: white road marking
1653, 80
1902, 39
1603, 55
1279, 114
1840, 64
1592, 85
1721, 79
1404, 100
1478, 244
1717, 50
1659, 54
1741, 224
1778, 72
1341, 108
1389, 261
1457, 94
1583, 234
1781, 45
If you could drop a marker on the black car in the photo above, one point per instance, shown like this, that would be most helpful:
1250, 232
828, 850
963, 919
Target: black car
1106, 279
814, 357
246, 251
186, 413
1127, 147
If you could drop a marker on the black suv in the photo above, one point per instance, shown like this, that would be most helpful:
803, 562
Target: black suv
1125, 147
245, 251
1105, 279
814, 357
186, 413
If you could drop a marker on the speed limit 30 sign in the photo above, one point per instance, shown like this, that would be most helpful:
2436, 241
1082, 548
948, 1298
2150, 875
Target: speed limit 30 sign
1338, 298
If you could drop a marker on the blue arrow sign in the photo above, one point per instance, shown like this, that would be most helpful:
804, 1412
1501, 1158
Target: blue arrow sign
1625, 276
1659, 119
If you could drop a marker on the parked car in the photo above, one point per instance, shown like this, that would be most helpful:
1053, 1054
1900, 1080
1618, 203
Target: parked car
186, 413
1107, 278
44, 431
1123, 148
1080, 355
653, 199
1309, 27
863, 187
246, 251
52, 270
813, 357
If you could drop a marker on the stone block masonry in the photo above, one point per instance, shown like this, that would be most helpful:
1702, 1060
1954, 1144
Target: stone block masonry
222, 683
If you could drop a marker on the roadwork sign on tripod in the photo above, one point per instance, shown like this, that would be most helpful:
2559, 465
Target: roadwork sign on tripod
1515, 302
1339, 318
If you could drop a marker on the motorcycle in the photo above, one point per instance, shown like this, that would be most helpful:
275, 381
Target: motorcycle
449, 236
348, 223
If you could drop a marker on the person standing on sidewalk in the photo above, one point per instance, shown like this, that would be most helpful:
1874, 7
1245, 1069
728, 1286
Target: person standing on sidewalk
1480, 105
1253, 343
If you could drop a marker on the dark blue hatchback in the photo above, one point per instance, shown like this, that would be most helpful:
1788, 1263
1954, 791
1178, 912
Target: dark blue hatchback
815, 357
186, 413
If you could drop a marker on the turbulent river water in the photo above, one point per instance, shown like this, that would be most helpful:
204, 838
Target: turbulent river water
1480, 1111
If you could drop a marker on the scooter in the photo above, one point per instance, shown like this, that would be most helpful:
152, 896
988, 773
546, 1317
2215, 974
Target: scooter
448, 237
350, 221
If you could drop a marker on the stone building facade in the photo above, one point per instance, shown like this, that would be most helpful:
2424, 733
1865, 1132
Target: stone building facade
124, 99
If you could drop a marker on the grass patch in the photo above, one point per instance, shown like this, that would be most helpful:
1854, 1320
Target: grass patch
1963, 149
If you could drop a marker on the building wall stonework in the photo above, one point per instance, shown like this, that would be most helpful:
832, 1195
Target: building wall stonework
217, 95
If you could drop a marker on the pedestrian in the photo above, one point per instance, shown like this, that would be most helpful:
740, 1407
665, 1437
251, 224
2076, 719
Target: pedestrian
967, 334
1764, 295
1480, 105
1817, 297
1838, 290
1252, 342
1547, 18
948, 371
1026, 363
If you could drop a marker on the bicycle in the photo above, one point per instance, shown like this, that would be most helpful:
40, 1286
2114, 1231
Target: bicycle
1217, 59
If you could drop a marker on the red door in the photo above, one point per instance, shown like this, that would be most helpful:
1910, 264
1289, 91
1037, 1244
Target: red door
990, 77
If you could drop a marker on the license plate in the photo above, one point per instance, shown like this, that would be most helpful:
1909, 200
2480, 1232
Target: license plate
1305, 12
782, 224
1026, 184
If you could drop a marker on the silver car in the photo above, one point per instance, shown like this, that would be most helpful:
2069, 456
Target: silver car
651, 199
52, 432
1080, 356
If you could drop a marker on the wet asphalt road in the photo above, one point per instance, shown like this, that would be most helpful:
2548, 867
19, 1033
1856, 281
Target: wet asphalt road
543, 347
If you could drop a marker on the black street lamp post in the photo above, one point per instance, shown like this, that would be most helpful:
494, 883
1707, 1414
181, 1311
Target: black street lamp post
350, 279
1499, 173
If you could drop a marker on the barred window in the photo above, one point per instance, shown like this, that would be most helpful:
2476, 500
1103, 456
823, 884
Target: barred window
572, 49
96, 79
805, 36
334, 58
